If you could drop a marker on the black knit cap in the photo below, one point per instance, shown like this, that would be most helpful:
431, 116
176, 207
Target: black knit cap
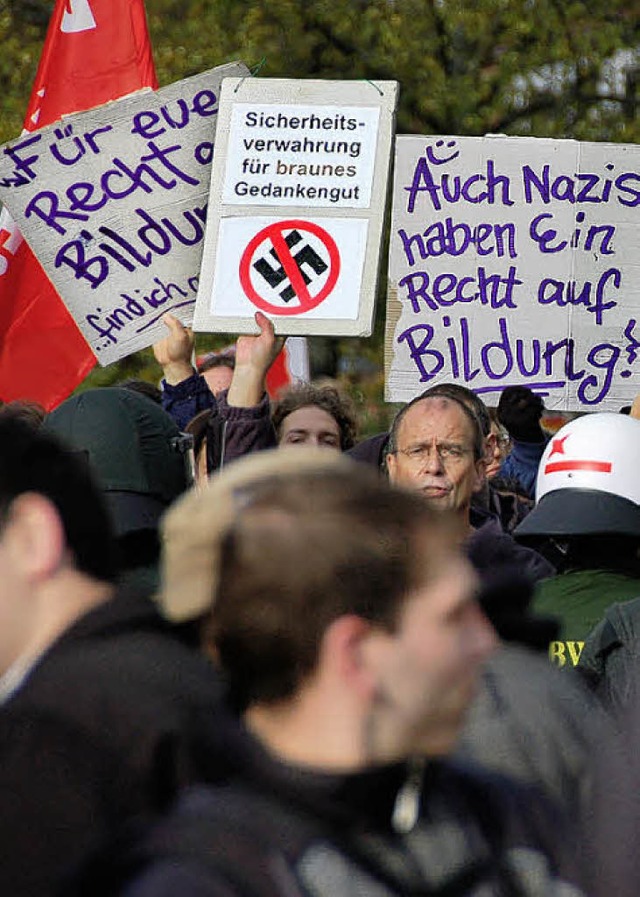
519, 411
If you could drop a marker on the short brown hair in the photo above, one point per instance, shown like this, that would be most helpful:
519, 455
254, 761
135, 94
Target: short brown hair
223, 360
303, 551
327, 398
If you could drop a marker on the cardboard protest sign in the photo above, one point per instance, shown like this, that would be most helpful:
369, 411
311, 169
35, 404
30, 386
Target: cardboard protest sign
296, 206
113, 203
515, 261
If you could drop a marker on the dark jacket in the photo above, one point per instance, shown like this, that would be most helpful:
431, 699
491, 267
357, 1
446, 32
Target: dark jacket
280, 830
112, 721
535, 724
244, 430
610, 658
520, 468
231, 432
509, 507
491, 549
186, 399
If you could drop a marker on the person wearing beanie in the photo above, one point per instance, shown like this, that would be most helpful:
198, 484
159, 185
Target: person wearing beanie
352, 673
519, 411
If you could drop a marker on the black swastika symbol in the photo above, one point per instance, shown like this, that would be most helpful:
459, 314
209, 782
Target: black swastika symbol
306, 255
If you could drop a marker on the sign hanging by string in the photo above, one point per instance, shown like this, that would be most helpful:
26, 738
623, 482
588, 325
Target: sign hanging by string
296, 206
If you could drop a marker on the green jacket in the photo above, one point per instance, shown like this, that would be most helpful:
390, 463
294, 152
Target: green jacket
579, 599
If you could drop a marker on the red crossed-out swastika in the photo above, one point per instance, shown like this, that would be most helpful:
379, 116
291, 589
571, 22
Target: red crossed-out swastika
282, 236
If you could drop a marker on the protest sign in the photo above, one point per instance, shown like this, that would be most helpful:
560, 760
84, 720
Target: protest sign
515, 261
92, 53
113, 203
297, 202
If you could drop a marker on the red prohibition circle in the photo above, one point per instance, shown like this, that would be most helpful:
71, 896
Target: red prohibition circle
274, 233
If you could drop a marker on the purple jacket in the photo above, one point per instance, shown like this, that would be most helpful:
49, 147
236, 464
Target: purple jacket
231, 432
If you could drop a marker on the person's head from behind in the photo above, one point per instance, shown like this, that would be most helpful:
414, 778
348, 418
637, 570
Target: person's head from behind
217, 370
311, 415
143, 388
54, 528
336, 590
436, 447
31, 412
520, 411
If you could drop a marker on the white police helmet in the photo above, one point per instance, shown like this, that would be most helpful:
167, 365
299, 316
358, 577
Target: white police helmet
588, 479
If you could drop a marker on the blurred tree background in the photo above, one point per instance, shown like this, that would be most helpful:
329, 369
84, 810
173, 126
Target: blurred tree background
544, 68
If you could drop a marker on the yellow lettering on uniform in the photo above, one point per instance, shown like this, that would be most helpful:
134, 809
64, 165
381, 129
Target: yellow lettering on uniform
556, 653
575, 650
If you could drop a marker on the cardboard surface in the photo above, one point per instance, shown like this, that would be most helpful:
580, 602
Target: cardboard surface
297, 203
515, 261
113, 203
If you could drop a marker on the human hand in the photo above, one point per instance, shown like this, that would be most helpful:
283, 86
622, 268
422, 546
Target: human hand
258, 352
254, 356
174, 352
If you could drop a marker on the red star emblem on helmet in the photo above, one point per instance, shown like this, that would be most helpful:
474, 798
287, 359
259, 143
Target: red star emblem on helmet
557, 446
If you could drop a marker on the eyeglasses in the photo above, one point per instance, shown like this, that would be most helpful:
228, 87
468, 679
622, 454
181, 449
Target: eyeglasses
448, 453
501, 434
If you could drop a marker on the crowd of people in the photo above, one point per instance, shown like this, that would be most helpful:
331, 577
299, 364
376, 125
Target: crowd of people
245, 654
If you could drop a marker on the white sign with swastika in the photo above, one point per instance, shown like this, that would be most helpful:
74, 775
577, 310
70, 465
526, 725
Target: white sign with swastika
296, 206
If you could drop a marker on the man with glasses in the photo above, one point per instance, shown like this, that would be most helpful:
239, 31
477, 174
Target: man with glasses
436, 447
525, 722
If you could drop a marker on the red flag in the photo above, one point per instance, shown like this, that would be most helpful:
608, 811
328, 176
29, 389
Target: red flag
291, 366
94, 51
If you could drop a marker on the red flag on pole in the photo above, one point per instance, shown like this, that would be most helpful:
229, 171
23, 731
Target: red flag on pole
94, 51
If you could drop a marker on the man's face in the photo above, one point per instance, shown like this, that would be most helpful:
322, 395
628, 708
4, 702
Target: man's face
16, 604
497, 449
428, 670
310, 426
435, 454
